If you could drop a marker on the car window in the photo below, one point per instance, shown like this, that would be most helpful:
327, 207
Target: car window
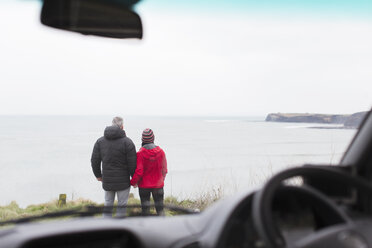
233, 90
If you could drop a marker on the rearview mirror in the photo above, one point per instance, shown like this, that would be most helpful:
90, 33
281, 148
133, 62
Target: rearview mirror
107, 18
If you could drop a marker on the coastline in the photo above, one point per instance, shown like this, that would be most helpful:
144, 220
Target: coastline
351, 121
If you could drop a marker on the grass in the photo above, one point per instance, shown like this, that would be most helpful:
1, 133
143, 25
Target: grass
14, 211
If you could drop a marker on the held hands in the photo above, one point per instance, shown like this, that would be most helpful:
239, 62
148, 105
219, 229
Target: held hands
99, 179
132, 183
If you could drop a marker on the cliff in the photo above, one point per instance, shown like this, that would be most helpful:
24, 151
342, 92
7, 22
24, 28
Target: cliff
309, 118
349, 121
355, 120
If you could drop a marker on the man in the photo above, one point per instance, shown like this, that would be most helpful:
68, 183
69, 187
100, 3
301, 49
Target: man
117, 154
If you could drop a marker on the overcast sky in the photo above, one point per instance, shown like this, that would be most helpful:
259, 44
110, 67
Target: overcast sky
239, 59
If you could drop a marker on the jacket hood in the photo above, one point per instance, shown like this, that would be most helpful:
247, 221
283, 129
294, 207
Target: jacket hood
149, 146
151, 153
113, 133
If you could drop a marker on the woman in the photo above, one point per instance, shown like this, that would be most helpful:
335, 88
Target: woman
150, 173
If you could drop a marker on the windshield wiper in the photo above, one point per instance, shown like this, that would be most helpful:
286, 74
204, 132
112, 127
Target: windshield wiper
89, 211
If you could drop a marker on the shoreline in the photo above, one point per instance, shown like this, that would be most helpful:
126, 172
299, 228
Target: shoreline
351, 121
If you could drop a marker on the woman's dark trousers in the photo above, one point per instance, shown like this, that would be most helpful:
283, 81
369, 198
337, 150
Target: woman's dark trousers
157, 194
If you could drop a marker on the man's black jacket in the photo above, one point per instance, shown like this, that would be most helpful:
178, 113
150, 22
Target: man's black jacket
118, 156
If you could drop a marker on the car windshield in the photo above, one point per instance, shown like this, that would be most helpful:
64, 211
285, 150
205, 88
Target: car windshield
234, 91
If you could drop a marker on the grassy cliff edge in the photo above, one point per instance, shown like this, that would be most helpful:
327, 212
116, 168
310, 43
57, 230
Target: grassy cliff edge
14, 211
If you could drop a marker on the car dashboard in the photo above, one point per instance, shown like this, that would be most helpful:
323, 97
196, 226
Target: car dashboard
280, 214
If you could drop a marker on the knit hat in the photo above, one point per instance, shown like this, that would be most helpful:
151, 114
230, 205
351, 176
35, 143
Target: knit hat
148, 136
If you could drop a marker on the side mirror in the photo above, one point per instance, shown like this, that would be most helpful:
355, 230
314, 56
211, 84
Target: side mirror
107, 18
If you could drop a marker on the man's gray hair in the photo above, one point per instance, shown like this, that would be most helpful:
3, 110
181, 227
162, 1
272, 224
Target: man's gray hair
117, 121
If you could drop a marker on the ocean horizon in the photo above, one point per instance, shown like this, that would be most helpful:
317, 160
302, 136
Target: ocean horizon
43, 156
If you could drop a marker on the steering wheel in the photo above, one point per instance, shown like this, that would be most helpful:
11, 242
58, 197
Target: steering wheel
341, 233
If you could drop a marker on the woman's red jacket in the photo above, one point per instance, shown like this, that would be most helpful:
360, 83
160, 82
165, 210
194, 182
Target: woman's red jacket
151, 168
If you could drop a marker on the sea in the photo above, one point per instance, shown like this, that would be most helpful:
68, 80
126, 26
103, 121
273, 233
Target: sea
44, 156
